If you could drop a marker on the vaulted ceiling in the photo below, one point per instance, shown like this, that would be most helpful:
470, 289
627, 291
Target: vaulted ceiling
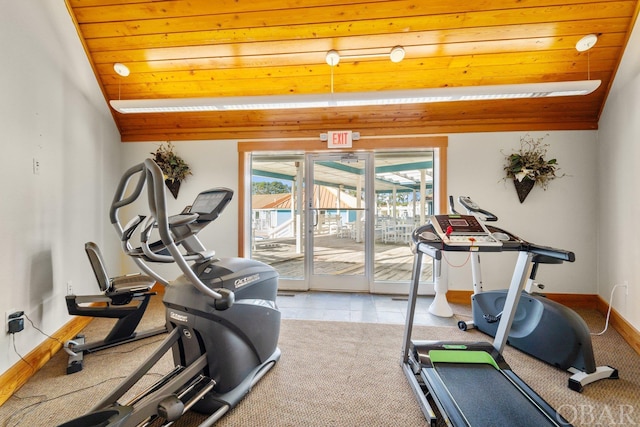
205, 48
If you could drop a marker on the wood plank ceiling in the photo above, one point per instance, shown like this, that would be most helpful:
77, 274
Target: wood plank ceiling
204, 48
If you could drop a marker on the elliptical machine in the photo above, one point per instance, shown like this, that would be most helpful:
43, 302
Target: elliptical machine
541, 328
221, 313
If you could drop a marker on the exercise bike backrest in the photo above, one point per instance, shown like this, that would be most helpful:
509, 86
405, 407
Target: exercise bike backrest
174, 231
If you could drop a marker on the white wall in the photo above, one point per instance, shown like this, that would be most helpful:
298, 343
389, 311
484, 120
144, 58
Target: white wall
213, 164
51, 110
619, 205
563, 216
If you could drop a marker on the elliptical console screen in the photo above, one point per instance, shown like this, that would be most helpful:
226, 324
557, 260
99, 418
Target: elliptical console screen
209, 204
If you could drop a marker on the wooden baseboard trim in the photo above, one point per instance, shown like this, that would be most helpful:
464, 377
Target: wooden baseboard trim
459, 297
17, 375
630, 334
588, 301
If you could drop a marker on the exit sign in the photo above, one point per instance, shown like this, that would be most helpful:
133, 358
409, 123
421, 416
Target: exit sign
340, 139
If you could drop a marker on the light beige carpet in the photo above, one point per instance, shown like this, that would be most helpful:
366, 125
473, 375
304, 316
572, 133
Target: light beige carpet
331, 374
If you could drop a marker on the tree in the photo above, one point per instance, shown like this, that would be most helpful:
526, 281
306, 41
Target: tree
272, 187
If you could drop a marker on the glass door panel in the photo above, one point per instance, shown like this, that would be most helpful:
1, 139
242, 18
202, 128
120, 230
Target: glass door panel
336, 212
277, 239
404, 200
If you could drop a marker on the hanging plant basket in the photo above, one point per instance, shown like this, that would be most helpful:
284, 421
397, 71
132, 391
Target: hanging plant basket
527, 166
173, 186
523, 188
174, 168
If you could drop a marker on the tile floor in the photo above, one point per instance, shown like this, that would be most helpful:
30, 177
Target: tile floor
356, 307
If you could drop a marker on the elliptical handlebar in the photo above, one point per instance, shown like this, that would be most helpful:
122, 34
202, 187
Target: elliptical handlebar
151, 174
158, 208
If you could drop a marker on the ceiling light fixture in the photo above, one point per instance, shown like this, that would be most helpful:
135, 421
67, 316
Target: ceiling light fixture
396, 55
349, 99
121, 69
586, 43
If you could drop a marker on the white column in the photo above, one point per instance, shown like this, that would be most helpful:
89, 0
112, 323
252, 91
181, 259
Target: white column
423, 195
298, 219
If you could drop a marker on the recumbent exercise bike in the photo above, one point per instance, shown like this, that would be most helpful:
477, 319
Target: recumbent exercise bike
542, 328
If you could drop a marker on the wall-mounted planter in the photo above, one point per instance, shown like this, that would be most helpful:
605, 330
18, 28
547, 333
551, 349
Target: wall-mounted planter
523, 188
173, 186
174, 168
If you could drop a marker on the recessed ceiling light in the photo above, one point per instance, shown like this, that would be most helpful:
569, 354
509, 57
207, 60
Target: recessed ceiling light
586, 43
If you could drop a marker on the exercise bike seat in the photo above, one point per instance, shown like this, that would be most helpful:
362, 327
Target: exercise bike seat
128, 283
114, 302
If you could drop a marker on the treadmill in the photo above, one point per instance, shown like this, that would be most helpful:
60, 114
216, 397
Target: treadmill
470, 383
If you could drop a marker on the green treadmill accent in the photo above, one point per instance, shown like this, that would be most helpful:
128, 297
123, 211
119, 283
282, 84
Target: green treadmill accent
454, 346
462, 356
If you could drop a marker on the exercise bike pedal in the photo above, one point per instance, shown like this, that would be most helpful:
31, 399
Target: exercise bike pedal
490, 318
466, 325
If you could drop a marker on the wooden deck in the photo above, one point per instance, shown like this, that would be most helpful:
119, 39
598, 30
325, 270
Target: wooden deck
340, 256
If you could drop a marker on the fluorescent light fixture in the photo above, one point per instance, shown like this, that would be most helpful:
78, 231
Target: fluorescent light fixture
349, 99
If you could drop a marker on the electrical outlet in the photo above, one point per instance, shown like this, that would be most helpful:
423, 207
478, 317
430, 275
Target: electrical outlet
69, 288
6, 318
14, 321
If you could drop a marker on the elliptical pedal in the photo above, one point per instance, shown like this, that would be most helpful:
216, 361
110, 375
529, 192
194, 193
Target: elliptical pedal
176, 405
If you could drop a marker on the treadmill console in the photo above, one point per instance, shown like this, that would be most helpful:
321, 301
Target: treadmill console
463, 230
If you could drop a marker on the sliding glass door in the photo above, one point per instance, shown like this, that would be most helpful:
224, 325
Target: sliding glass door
340, 221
